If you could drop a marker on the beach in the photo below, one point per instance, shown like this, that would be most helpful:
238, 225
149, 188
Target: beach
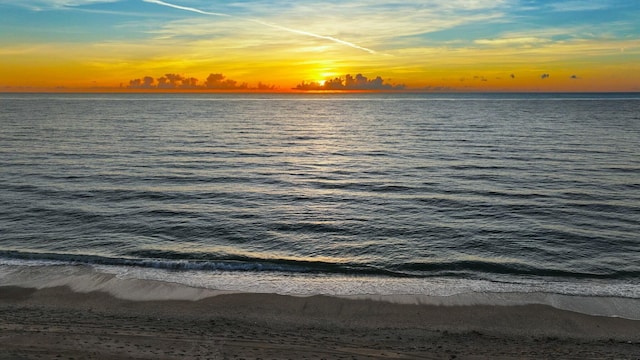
58, 323
332, 226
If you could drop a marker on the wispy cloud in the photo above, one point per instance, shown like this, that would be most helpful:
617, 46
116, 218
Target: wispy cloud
511, 41
387, 23
432, 41
306, 33
263, 23
53, 4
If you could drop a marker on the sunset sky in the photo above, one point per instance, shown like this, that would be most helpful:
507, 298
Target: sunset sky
453, 45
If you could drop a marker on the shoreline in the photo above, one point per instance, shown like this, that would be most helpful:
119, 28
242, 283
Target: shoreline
614, 300
57, 321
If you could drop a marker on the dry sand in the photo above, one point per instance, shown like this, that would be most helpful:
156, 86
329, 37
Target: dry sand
56, 323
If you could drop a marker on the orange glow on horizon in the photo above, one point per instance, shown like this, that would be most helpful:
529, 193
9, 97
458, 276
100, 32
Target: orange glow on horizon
269, 46
76, 75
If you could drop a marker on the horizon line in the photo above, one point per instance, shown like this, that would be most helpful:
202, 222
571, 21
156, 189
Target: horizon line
106, 90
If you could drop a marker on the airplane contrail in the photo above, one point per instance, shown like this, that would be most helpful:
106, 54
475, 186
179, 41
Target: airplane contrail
186, 8
306, 33
274, 26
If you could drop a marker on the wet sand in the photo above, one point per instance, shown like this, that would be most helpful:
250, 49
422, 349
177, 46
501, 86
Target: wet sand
56, 323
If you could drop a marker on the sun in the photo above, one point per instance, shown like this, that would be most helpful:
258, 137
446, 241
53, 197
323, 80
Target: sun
321, 82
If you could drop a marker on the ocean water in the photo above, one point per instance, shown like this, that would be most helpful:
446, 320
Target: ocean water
340, 194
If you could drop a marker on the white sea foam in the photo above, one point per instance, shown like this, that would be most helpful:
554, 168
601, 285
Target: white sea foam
85, 279
602, 299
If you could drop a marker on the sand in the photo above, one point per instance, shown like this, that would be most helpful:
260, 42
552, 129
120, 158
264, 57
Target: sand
56, 323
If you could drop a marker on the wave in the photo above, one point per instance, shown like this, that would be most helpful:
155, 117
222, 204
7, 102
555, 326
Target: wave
485, 267
179, 262
168, 260
601, 298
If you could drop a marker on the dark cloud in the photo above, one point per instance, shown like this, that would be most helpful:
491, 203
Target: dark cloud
219, 82
215, 81
545, 76
262, 86
146, 82
349, 82
170, 81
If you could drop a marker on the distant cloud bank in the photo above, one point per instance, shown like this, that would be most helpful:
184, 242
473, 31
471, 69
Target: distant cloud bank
349, 82
178, 82
359, 82
218, 82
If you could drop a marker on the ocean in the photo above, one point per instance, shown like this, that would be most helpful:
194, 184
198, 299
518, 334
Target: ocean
376, 194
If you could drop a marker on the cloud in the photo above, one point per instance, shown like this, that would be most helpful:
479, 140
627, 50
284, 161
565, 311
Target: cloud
545, 76
176, 81
219, 82
262, 86
511, 41
263, 23
169, 81
54, 4
359, 82
146, 82
215, 81
379, 21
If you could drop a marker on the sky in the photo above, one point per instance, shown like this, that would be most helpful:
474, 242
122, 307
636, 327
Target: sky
417, 45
